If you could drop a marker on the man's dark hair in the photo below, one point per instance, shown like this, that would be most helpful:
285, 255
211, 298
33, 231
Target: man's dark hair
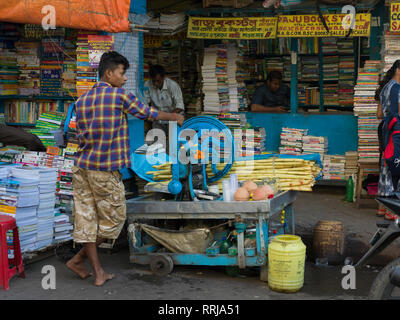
111, 60
274, 75
155, 70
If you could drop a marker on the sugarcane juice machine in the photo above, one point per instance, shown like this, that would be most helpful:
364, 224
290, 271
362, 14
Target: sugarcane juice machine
191, 147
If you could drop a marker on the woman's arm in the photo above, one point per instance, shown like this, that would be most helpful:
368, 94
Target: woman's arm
379, 113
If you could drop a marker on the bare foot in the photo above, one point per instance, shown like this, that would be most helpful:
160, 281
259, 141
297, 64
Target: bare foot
102, 278
79, 268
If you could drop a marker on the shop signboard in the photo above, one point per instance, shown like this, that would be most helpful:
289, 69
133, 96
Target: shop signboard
312, 26
246, 28
395, 16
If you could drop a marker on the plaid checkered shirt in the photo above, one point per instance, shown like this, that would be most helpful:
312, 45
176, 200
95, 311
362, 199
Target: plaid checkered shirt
102, 127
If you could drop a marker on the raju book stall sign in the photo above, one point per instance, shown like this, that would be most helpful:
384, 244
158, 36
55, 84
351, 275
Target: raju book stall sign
232, 28
312, 25
395, 16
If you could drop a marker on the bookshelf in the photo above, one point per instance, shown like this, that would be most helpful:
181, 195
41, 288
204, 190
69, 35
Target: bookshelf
337, 59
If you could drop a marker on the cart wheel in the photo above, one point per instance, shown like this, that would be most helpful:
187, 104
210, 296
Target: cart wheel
161, 265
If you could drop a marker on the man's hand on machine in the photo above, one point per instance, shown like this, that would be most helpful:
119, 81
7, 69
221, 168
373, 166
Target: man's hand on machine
171, 117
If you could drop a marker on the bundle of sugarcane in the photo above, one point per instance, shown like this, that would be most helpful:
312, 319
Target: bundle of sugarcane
289, 173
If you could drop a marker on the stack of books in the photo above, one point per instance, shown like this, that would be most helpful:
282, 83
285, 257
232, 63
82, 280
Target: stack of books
62, 228
329, 45
365, 108
24, 187
351, 163
48, 129
390, 49
51, 66
346, 81
309, 69
69, 65
331, 96
331, 68
29, 67
86, 76
9, 72
292, 141
209, 78
232, 55
345, 46
222, 78
249, 142
313, 144
308, 95
334, 167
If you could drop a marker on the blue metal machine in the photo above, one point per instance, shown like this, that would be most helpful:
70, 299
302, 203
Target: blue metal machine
242, 215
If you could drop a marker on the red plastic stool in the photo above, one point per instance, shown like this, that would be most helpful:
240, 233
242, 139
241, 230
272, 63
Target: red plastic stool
8, 223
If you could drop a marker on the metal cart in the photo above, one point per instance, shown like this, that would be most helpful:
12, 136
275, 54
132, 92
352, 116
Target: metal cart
258, 212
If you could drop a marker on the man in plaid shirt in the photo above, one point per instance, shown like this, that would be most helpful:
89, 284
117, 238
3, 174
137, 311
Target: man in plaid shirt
99, 195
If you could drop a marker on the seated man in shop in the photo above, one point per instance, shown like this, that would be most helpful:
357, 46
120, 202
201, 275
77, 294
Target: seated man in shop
164, 94
11, 136
273, 96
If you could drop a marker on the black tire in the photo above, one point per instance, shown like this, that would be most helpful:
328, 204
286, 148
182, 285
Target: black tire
381, 288
161, 265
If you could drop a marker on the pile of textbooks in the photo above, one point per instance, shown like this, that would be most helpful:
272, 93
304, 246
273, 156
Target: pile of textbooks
351, 167
250, 142
209, 79
313, 144
334, 167
365, 108
86, 75
48, 129
292, 141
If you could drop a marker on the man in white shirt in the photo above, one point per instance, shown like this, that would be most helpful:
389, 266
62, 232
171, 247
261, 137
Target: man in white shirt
164, 94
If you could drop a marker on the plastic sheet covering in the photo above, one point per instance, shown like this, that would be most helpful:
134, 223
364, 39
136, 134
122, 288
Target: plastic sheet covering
188, 241
101, 15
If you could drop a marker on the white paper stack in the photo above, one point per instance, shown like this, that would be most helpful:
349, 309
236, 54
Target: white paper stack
232, 83
62, 228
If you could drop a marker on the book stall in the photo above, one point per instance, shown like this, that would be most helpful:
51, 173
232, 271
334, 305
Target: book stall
42, 72
331, 73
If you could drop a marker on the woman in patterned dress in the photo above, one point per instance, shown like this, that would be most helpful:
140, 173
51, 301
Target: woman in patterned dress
387, 110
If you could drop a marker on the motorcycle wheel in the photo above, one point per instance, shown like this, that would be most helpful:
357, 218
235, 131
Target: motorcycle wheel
381, 288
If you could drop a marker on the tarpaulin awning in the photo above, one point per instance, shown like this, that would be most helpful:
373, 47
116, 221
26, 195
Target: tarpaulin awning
101, 15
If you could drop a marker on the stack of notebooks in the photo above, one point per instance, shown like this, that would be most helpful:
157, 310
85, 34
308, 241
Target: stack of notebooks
62, 228
331, 68
39, 159
64, 187
86, 76
48, 129
351, 163
51, 66
29, 67
365, 108
22, 194
292, 141
334, 167
210, 84
313, 144
346, 81
47, 201
309, 68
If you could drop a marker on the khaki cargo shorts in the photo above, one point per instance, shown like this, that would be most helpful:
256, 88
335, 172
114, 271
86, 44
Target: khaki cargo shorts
99, 204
